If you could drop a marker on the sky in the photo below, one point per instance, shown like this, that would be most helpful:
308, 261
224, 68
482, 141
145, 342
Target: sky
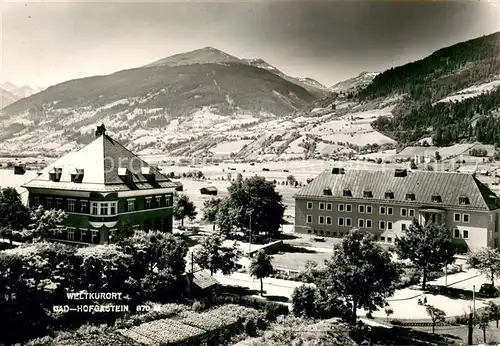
45, 43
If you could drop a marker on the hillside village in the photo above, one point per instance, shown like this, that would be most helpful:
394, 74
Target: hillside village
214, 200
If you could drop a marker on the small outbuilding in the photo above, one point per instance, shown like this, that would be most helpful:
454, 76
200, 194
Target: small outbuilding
19, 169
209, 190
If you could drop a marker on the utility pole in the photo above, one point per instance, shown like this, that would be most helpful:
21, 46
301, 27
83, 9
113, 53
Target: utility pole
250, 235
474, 300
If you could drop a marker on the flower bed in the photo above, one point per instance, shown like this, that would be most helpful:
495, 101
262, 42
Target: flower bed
162, 332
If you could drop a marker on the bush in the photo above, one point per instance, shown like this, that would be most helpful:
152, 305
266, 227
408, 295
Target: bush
250, 327
197, 306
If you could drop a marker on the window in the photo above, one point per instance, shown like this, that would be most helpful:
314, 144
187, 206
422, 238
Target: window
36, 201
456, 217
309, 219
389, 224
59, 204
104, 208
112, 208
382, 210
71, 234
94, 208
367, 194
382, 238
466, 218
456, 233
321, 220
158, 201
361, 223
148, 202
368, 209
84, 207
321, 206
389, 211
131, 205
328, 220
112, 234
381, 225
83, 233
168, 201
341, 234
389, 195
341, 221
404, 212
348, 207
410, 196
348, 221
341, 207
361, 208
463, 200
328, 206
347, 193
93, 235
49, 203
411, 212
71, 205
368, 223
389, 239
403, 227
309, 205
466, 234
436, 199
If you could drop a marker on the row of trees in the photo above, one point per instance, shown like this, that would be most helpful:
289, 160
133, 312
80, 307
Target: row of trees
33, 279
361, 274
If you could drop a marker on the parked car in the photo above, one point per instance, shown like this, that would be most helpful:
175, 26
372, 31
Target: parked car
488, 291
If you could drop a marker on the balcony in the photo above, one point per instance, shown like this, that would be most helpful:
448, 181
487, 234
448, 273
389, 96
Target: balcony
103, 218
436, 216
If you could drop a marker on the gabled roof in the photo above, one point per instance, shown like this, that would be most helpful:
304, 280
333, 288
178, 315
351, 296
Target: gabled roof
424, 184
99, 161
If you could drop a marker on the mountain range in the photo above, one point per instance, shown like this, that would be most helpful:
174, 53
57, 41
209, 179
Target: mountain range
207, 102
10, 93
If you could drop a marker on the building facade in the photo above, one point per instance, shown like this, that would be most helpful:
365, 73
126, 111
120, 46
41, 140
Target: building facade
103, 187
385, 203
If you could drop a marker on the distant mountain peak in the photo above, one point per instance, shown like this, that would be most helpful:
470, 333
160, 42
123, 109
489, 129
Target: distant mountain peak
205, 55
360, 81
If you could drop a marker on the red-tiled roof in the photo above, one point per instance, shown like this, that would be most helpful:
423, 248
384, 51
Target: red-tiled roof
424, 184
100, 161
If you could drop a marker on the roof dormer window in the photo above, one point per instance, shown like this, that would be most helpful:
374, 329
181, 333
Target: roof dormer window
463, 200
436, 198
55, 174
347, 193
389, 195
367, 194
327, 192
77, 175
410, 196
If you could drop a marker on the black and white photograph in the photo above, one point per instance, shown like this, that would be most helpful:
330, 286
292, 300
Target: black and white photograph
249, 173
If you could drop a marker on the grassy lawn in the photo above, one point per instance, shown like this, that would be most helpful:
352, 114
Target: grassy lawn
297, 260
460, 333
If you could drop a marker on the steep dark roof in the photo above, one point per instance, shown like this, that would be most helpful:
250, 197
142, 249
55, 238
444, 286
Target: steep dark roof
423, 184
100, 162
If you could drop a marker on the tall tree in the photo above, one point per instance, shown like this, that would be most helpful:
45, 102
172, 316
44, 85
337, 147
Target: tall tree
428, 247
261, 267
291, 180
14, 215
255, 200
183, 208
487, 261
361, 273
213, 255
304, 300
436, 315
210, 208
44, 224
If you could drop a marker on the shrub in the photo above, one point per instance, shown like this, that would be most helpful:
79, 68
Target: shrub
197, 306
250, 327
